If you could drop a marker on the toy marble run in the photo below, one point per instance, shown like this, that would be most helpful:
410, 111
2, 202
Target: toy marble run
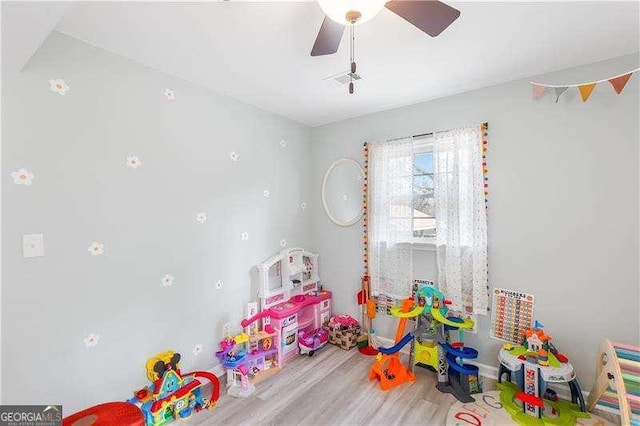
172, 394
529, 368
431, 346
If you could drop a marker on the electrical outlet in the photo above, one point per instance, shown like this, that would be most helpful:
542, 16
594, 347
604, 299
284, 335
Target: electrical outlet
219, 285
33, 245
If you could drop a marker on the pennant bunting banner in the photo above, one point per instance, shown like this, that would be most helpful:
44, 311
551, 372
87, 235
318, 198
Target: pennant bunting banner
538, 91
585, 91
560, 91
618, 82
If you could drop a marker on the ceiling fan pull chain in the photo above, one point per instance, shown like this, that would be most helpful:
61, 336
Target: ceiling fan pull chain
353, 64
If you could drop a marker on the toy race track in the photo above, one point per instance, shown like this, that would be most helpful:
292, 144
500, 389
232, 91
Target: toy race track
398, 346
438, 316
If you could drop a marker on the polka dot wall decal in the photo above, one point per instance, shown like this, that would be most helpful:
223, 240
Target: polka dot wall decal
197, 349
266, 193
303, 206
201, 217
283, 143
244, 236
58, 86
233, 156
96, 249
169, 94
167, 280
133, 162
91, 340
283, 242
22, 177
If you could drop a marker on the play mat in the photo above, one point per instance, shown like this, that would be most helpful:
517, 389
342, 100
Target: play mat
488, 411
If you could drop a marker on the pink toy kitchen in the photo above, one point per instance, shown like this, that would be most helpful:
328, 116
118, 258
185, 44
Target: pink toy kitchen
291, 298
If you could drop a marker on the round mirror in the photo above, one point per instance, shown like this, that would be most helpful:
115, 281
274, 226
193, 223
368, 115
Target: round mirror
342, 192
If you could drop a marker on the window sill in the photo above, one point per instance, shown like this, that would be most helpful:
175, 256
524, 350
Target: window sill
422, 244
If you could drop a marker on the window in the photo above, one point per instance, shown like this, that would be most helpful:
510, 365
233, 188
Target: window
423, 219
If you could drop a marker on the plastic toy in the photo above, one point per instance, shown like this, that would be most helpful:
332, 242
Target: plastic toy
366, 344
311, 341
109, 413
432, 345
529, 369
248, 358
291, 298
172, 395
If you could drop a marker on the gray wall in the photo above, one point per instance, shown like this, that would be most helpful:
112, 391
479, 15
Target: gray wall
76, 145
563, 214
563, 204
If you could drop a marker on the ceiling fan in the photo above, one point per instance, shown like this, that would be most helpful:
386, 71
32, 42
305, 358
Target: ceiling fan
430, 16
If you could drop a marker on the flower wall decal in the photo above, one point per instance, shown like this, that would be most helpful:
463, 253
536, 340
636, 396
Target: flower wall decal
197, 349
133, 162
22, 177
96, 249
201, 217
91, 340
233, 156
244, 236
283, 242
266, 193
283, 143
169, 94
58, 86
219, 284
167, 280
303, 206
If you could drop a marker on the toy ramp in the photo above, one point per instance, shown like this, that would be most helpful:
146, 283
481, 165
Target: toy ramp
398, 346
437, 315
396, 311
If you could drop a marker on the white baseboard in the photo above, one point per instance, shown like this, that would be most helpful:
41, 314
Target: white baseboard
218, 370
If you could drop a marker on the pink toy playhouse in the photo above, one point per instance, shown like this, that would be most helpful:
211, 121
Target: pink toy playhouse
291, 299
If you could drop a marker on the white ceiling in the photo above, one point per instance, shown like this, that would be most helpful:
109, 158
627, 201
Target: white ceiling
258, 52
25, 25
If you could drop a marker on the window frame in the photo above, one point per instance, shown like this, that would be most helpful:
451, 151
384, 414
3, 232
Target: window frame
421, 145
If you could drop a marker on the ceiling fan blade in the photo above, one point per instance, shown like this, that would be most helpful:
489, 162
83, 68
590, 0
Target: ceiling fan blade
328, 38
430, 16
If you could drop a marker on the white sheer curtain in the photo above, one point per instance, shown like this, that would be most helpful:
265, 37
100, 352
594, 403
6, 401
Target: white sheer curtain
461, 218
390, 216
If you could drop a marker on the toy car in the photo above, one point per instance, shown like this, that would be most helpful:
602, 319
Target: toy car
311, 341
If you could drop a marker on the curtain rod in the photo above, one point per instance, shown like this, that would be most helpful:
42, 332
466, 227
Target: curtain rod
485, 124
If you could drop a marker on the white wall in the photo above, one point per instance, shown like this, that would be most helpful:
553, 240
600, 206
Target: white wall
76, 145
563, 204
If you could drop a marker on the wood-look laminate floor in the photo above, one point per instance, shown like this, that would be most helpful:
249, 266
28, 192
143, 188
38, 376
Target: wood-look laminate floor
331, 388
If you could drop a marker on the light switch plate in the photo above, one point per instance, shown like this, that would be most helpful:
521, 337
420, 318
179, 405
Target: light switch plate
33, 245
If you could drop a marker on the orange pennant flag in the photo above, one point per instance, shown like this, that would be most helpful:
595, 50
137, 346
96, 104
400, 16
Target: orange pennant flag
585, 91
618, 83
538, 91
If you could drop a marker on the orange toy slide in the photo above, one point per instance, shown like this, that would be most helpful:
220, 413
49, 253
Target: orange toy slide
390, 371
388, 368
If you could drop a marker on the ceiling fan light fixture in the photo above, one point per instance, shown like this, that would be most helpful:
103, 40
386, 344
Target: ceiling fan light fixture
339, 10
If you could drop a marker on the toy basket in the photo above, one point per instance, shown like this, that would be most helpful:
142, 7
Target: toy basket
343, 333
